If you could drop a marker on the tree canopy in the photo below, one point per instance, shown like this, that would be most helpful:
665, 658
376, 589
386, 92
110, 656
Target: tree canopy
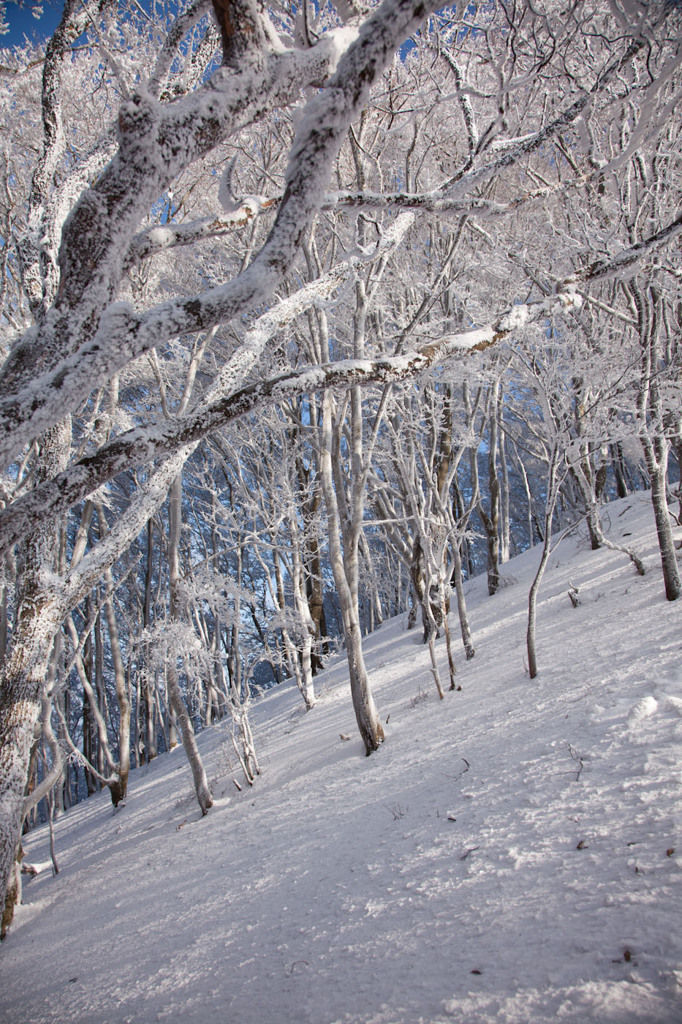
307, 311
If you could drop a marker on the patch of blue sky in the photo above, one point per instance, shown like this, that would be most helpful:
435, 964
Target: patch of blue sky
30, 20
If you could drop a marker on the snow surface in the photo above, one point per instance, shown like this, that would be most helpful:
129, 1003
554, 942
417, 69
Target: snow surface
510, 855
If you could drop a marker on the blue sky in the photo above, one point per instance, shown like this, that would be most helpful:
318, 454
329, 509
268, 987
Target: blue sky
21, 21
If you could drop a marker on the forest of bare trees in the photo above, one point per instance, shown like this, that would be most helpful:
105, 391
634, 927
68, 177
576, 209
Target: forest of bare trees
309, 314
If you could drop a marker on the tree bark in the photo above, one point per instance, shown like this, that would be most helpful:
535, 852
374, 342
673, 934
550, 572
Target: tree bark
666, 541
178, 706
345, 569
467, 639
119, 788
656, 446
491, 522
552, 491
39, 613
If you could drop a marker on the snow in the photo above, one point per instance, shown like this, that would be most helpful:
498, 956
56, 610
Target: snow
510, 855
470, 339
516, 318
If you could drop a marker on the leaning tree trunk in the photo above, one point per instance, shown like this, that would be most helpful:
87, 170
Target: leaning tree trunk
345, 566
366, 714
177, 703
38, 616
531, 646
666, 541
552, 492
464, 625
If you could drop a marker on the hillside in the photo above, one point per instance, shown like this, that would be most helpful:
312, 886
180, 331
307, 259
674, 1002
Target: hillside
510, 855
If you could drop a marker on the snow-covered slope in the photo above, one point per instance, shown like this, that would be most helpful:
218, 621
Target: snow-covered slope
510, 855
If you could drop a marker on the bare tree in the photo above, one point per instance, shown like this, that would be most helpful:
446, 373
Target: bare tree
90, 217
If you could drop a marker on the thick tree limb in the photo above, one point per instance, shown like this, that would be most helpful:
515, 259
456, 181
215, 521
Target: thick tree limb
616, 266
83, 348
266, 327
140, 446
181, 26
160, 238
156, 143
137, 447
169, 236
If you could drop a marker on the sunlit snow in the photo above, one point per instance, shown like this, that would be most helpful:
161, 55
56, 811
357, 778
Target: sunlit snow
510, 855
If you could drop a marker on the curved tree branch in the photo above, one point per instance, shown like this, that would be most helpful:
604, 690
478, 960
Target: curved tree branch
79, 347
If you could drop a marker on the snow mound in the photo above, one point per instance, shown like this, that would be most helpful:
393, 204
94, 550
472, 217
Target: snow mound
623, 1002
644, 708
673, 704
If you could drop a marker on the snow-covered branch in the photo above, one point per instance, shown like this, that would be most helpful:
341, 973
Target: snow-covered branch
79, 347
142, 445
438, 201
530, 144
181, 26
169, 236
156, 142
138, 447
629, 258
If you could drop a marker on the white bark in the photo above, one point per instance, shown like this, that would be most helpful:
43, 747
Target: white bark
82, 343
344, 562
201, 786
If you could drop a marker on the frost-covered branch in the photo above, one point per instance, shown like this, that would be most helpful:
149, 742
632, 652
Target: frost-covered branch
83, 577
530, 144
629, 258
139, 446
79, 347
156, 143
236, 369
438, 201
161, 237
142, 445
40, 245
181, 26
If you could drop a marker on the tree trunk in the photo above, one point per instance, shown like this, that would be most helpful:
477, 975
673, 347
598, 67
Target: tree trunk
366, 714
147, 712
119, 788
532, 607
306, 624
465, 628
656, 447
618, 465
590, 490
491, 522
201, 786
345, 569
39, 613
178, 706
666, 541
315, 595
552, 491
314, 583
